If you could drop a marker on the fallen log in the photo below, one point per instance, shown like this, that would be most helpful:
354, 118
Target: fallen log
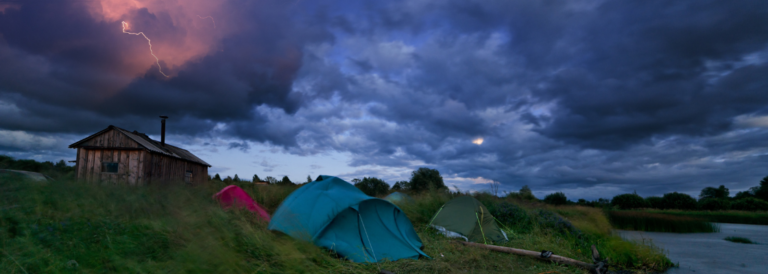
523, 252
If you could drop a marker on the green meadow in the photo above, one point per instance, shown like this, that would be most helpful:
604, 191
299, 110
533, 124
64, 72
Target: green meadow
71, 227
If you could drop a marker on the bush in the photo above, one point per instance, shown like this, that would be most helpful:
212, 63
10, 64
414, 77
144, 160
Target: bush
749, 204
713, 204
655, 202
373, 186
629, 201
512, 215
526, 193
711, 192
425, 178
551, 221
680, 201
557, 198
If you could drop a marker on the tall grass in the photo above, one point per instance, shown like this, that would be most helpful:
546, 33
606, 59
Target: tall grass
645, 221
78, 227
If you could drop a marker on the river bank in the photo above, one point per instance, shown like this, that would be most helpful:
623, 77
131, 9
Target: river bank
709, 252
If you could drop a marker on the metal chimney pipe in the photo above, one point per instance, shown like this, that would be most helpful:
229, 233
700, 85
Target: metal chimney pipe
162, 129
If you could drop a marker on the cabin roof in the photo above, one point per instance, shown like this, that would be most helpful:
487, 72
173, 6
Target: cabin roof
151, 145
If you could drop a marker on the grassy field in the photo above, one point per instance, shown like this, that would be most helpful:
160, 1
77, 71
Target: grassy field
730, 216
69, 227
656, 222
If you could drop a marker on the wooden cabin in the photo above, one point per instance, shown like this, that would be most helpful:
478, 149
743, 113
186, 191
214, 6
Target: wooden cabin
117, 155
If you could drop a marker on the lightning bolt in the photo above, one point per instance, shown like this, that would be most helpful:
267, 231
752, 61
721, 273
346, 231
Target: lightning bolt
214, 22
150, 47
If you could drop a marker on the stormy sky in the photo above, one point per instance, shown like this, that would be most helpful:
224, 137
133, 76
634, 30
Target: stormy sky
591, 98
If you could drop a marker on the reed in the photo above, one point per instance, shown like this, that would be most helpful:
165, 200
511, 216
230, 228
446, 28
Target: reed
645, 221
740, 240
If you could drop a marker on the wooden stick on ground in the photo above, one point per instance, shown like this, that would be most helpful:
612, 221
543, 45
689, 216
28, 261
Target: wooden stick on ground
523, 252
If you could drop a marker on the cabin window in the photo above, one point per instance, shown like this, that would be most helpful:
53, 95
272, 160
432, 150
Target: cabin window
108, 167
188, 177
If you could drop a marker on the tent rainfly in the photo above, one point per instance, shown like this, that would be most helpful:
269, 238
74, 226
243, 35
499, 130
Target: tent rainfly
333, 214
465, 217
234, 196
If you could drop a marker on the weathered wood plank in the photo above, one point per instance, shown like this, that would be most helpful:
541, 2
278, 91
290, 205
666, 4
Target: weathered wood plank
81, 164
123, 167
96, 165
133, 167
89, 168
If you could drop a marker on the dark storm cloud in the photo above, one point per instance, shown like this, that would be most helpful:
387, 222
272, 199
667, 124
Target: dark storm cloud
56, 55
587, 75
592, 97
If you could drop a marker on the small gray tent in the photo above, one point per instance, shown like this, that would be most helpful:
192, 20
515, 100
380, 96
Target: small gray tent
465, 217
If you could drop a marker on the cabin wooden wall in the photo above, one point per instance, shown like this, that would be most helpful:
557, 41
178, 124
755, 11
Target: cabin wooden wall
111, 139
129, 163
160, 168
136, 165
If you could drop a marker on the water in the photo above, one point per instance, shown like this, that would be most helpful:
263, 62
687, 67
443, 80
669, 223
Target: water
709, 252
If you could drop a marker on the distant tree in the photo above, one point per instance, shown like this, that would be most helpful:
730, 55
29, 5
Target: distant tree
236, 179
309, 179
629, 201
744, 194
711, 192
256, 178
286, 181
603, 202
373, 186
271, 180
228, 180
217, 177
400, 185
680, 201
714, 204
209, 177
356, 180
750, 204
655, 202
557, 198
526, 193
425, 178
582, 202
61, 164
762, 191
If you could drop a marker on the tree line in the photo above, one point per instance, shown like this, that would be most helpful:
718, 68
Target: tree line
710, 198
59, 170
422, 179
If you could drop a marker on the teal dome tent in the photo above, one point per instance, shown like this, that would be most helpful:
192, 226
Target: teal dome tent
334, 214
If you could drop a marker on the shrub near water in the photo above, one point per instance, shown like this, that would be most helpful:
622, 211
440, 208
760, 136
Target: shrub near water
629, 201
644, 221
750, 204
714, 204
740, 240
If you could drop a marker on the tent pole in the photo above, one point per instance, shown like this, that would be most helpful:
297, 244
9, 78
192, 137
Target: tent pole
369, 240
438, 213
481, 228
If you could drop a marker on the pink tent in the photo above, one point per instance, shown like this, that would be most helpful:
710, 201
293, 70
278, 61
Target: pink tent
236, 196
